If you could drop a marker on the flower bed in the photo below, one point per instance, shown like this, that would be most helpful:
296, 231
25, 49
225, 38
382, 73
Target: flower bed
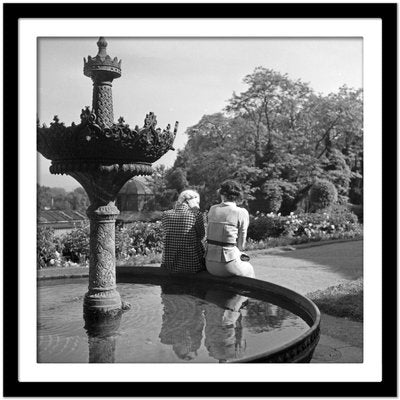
337, 222
141, 242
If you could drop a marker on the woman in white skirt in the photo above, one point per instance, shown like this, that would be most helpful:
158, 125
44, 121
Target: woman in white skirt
226, 234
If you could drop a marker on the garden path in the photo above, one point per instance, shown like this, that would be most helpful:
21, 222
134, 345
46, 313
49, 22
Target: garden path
305, 269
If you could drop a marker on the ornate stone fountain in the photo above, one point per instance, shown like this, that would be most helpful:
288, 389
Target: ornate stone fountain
102, 156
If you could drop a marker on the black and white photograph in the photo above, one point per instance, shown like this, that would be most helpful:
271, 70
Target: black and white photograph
261, 178
202, 197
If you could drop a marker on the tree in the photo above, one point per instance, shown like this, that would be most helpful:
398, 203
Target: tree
277, 137
163, 196
43, 197
78, 199
176, 179
272, 105
213, 153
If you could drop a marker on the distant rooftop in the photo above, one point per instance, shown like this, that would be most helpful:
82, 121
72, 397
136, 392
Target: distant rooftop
57, 216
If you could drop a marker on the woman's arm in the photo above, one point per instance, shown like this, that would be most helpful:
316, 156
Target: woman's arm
199, 226
242, 229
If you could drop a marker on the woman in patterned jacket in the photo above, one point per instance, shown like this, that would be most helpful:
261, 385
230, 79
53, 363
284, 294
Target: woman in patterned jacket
183, 234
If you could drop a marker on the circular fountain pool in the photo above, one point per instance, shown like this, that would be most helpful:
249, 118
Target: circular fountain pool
176, 319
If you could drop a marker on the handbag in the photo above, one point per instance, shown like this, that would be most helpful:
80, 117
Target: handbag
245, 257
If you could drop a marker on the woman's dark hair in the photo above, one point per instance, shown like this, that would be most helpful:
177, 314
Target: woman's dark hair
231, 190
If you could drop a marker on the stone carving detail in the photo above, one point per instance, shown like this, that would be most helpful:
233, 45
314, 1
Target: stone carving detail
103, 105
102, 254
86, 145
150, 121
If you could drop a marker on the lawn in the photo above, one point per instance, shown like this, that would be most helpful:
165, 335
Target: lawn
344, 300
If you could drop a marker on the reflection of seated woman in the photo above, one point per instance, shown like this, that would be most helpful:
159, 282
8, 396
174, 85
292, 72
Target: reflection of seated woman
182, 323
226, 234
223, 331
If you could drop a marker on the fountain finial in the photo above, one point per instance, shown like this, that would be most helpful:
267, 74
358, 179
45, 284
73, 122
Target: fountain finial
102, 45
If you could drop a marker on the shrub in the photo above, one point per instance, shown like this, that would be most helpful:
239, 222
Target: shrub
75, 244
357, 209
338, 172
343, 218
263, 226
47, 246
331, 222
272, 194
323, 194
146, 237
123, 243
140, 239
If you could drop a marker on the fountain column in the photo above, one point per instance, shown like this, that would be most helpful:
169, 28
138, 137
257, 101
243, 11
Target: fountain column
102, 190
102, 284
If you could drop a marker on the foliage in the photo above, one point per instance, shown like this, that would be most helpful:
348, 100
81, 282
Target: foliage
272, 194
310, 225
323, 194
336, 170
59, 199
151, 257
47, 246
75, 244
280, 241
164, 195
342, 217
277, 137
176, 179
357, 210
142, 242
141, 238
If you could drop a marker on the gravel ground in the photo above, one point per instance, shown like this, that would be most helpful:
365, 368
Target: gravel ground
306, 269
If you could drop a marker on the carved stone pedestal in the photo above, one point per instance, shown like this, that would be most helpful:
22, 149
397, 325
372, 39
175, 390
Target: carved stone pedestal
102, 188
102, 295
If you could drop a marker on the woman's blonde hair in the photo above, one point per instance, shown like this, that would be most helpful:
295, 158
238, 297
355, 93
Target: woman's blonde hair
187, 195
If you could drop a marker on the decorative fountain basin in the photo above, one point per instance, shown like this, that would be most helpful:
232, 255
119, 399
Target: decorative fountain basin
178, 318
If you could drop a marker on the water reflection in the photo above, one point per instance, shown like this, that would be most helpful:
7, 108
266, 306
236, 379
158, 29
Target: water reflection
182, 320
259, 316
213, 311
224, 331
177, 322
102, 336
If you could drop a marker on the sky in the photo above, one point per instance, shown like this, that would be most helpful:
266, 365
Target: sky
181, 79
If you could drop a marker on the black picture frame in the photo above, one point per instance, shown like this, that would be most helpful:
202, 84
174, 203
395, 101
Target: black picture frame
12, 12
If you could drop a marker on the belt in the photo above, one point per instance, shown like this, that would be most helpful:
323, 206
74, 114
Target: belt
221, 243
